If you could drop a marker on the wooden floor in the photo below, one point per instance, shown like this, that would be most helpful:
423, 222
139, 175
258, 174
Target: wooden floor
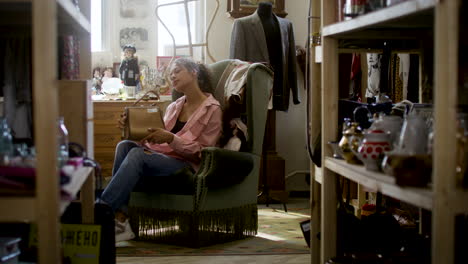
253, 259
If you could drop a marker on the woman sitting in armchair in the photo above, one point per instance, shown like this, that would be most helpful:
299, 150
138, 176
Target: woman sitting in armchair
192, 122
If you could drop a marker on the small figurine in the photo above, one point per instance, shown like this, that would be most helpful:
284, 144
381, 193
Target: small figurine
107, 74
97, 80
129, 70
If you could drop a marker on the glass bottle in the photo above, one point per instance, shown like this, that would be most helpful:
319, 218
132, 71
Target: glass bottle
6, 142
62, 142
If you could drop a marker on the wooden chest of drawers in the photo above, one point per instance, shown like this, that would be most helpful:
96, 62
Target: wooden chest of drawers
106, 132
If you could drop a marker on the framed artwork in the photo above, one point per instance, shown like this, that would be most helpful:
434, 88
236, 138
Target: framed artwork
134, 36
162, 62
135, 9
241, 8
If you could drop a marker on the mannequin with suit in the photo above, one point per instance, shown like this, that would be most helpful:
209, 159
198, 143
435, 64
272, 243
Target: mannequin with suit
265, 37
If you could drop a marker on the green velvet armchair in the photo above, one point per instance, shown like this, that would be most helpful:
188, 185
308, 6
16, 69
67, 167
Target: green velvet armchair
218, 203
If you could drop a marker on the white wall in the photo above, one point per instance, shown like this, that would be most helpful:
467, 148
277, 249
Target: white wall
220, 33
291, 126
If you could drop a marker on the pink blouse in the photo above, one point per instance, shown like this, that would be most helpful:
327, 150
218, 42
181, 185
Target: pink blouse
202, 129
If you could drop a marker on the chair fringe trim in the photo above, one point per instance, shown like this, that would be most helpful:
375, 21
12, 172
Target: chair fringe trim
194, 229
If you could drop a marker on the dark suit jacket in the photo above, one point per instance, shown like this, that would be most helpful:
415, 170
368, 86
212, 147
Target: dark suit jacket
248, 43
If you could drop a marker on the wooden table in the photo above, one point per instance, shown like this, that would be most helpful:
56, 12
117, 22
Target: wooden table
106, 132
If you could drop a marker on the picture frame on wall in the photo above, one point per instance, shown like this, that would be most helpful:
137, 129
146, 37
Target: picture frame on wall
136, 36
162, 62
241, 8
135, 9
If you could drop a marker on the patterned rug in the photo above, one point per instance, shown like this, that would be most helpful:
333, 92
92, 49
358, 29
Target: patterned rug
278, 233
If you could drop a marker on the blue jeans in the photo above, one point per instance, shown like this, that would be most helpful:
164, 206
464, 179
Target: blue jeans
132, 164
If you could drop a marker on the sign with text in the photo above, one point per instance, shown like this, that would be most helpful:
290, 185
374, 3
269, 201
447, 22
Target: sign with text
80, 243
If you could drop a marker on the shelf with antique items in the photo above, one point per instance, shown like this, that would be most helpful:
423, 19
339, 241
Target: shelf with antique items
44, 21
417, 20
377, 181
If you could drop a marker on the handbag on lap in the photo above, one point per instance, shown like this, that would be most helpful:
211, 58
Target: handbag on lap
140, 118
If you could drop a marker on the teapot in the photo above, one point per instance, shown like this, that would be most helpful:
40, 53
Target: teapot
372, 147
350, 138
389, 123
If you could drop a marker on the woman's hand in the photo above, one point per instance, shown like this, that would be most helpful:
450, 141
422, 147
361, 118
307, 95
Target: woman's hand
121, 122
158, 136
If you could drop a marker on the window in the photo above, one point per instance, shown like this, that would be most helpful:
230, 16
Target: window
174, 18
96, 25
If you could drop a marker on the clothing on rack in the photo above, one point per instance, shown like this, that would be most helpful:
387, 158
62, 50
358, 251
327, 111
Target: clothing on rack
16, 86
355, 78
403, 72
373, 75
396, 89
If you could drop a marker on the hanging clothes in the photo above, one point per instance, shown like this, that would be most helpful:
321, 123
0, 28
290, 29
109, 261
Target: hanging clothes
403, 72
16, 87
396, 89
373, 76
355, 78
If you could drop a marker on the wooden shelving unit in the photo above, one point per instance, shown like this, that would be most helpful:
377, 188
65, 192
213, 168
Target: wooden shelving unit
407, 20
47, 19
